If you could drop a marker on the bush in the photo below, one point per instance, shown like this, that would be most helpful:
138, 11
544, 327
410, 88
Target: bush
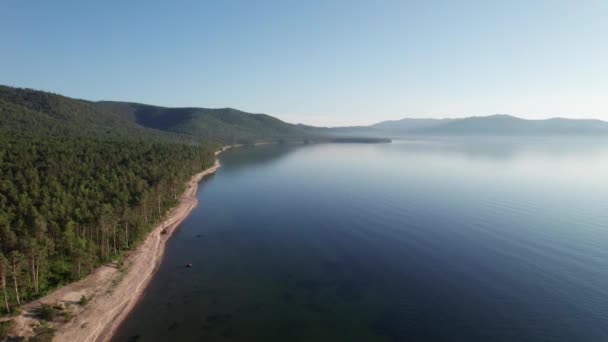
67, 315
83, 300
44, 333
46, 312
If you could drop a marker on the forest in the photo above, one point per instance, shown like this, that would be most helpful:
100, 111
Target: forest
78, 187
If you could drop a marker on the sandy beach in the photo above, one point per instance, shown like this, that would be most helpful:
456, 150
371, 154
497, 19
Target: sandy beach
113, 292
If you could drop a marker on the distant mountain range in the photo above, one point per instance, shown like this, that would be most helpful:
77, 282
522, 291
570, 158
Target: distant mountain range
26, 109
501, 125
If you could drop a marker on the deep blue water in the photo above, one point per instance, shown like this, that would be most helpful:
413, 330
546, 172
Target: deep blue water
443, 240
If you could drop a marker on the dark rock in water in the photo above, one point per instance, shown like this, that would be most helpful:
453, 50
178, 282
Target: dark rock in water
188, 265
134, 338
173, 326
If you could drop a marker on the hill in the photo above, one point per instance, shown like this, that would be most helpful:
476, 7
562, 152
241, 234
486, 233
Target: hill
36, 110
26, 110
225, 124
498, 125
510, 125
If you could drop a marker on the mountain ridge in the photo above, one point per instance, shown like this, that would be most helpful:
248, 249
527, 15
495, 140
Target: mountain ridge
230, 125
495, 124
226, 124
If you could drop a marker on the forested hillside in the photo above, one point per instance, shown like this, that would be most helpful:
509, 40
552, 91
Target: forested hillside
79, 185
224, 124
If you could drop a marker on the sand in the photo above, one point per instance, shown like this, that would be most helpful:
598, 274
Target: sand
113, 292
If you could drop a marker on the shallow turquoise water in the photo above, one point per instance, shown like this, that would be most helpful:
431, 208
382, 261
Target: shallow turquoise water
418, 240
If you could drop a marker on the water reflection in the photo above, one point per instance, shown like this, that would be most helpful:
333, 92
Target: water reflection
242, 157
506, 147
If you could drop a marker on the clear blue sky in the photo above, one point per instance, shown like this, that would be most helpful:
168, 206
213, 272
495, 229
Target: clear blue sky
318, 62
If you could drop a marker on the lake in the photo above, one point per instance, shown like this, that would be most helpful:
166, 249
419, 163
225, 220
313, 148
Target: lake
487, 239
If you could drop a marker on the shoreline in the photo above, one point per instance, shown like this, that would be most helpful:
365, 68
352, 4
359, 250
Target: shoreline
114, 292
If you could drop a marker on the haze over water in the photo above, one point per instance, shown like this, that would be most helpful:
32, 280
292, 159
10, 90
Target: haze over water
418, 240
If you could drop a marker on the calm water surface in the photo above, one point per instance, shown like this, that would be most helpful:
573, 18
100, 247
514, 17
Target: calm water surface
444, 240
